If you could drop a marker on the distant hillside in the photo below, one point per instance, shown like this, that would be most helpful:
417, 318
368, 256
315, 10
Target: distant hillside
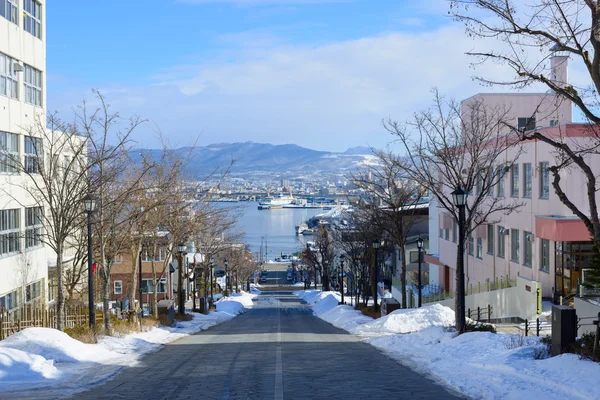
263, 157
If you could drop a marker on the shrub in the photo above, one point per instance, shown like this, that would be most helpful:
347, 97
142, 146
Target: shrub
83, 333
473, 326
584, 347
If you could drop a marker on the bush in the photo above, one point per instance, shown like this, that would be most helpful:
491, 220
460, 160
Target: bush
584, 347
82, 333
368, 311
183, 317
473, 326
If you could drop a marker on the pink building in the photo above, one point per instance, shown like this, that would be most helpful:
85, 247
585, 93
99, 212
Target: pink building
543, 241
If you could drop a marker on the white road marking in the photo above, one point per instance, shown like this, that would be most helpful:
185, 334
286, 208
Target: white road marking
278, 364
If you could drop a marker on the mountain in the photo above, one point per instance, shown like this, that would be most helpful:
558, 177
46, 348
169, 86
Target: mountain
263, 157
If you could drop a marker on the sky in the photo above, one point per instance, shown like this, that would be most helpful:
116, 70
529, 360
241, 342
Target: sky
321, 74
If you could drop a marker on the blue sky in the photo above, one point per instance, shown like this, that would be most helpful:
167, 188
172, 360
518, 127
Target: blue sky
318, 73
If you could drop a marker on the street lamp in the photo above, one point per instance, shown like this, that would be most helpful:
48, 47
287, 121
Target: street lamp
341, 280
459, 197
420, 248
225, 262
89, 204
180, 251
376, 244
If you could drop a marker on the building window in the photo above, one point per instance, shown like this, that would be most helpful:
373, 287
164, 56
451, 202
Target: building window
527, 180
33, 86
148, 286
545, 255
479, 182
33, 226
32, 17
33, 151
9, 152
118, 259
447, 233
479, 247
501, 244
526, 124
514, 180
9, 80
9, 301
9, 231
514, 245
544, 180
490, 239
501, 174
527, 247
33, 291
454, 231
8, 10
118, 287
471, 245
441, 233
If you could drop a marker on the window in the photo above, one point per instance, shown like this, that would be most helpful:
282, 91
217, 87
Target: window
441, 233
33, 86
9, 231
527, 180
454, 231
526, 124
527, 246
514, 245
148, 287
490, 239
33, 291
33, 152
479, 247
447, 233
501, 174
8, 10
118, 287
9, 152
9, 301
545, 255
118, 259
33, 226
514, 180
8, 76
501, 244
471, 245
161, 253
32, 17
544, 180
479, 182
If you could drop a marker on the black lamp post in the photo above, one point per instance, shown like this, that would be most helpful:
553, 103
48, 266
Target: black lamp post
180, 297
226, 263
342, 276
376, 245
459, 197
420, 248
89, 203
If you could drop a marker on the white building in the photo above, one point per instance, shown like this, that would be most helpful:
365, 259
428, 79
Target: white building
23, 258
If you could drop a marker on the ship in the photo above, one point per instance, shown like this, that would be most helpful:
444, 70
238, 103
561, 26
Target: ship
300, 228
280, 201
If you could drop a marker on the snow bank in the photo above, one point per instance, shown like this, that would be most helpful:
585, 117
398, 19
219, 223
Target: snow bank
326, 303
52, 361
409, 320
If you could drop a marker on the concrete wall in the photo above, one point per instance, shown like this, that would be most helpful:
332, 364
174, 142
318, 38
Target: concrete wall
518, 301
585, 309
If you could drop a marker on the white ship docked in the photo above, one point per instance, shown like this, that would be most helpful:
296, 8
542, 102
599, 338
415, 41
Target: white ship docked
280, 201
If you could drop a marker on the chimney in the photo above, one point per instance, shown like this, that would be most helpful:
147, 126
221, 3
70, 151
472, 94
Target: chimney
559, 69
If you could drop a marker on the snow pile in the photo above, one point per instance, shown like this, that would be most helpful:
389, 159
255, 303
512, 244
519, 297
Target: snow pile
326, 303
50, 360
409, 320
312, 297
344, 317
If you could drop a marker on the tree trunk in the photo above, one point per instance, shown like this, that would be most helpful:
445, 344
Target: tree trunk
105, 303
156, 283
60, 296
135, 259
374, 280
403, 276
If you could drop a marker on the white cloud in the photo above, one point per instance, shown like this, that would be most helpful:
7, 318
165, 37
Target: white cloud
330, 96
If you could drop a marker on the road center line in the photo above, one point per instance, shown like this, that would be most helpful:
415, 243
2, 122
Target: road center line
278, 364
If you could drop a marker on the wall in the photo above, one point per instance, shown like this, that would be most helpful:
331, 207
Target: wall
518, 301
585, 309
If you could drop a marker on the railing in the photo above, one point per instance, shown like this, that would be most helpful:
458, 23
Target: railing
29, 316
479, 313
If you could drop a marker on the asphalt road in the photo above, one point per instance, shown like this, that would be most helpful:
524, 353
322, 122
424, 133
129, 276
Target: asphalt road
277, 350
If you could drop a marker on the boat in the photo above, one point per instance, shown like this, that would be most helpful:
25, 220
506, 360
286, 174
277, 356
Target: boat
280, 201
300, 228
308, 232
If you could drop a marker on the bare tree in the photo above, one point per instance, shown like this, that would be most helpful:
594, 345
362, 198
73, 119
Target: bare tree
569, 28
449, 146
321, 259
396, 195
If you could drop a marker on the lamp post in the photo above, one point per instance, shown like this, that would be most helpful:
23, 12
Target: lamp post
459, 197
375, 245
420, 248
342, 276
225, 262
89, 204
180, 297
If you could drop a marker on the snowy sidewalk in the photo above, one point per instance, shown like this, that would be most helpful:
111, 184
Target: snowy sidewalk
482, 365
43, 360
